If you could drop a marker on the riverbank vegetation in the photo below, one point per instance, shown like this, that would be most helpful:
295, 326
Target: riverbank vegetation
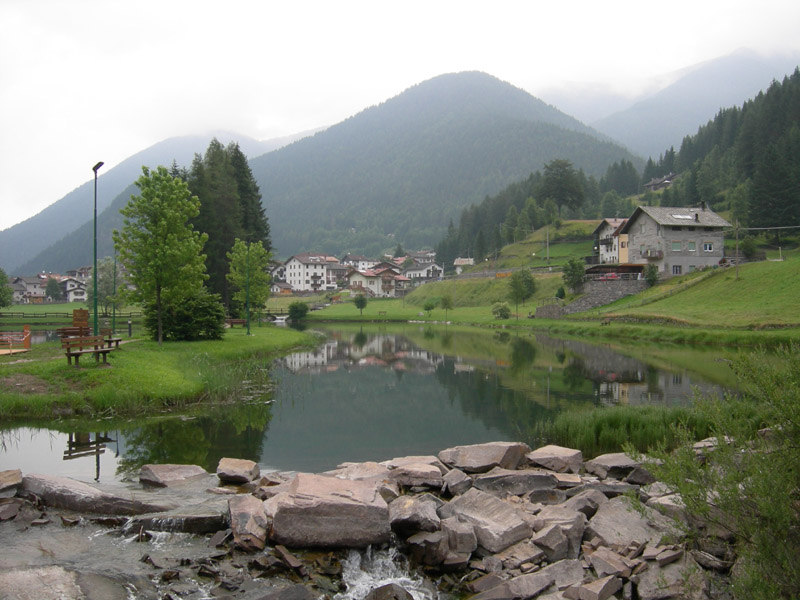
142, 377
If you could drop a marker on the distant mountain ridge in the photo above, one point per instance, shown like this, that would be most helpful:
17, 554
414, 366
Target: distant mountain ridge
399, 171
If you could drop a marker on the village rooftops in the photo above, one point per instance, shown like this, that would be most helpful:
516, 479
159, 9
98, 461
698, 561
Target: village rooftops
677, 217
613, 223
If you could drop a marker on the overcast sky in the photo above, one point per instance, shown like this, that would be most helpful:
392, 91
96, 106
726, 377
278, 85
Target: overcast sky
89, 80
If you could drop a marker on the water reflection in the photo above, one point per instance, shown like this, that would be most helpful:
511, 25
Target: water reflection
373, 393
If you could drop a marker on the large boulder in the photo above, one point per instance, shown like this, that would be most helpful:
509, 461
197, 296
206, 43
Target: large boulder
168, 475
616, 465
402, 461
456, 482
617, 522
480, 458
410, 514
506, 481
10, 481
61, 492
557, 458
237, 470
681, 579
319, 511
571, 522
497, 524
417, 475
248, 522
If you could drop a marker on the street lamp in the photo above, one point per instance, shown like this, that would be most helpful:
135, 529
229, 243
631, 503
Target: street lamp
95, 168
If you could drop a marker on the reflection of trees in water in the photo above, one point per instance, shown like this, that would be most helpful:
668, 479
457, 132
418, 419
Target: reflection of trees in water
235, 431
523, 353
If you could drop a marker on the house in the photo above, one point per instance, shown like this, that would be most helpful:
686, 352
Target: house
378, 283
606, 243
423, 272
660, 183
676, 240
310, 272
423, 256
358, 262
280, 288
81, 274
34, 292
73, 289
460, 263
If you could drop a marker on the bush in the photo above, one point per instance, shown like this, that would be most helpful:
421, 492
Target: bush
749, 485
429, 305
651, 275
298, 311
501, 310
560, 293
573, 274
200, 316
748, 247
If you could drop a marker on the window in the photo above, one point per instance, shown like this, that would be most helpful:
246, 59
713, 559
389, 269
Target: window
677, 228
691, 246
676, 269
692, 268
708, 247
641, 249
623, 244
676, 246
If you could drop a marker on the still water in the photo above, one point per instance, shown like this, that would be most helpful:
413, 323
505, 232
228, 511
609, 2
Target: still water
373, 393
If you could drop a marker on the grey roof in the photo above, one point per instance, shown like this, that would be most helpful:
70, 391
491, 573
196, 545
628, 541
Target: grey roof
680, 216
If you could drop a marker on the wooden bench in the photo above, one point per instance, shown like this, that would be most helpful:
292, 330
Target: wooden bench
232, 322
110, 339
75, 347
73, 331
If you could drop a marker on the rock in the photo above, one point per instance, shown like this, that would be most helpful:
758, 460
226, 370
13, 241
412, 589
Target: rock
410, 514
404, 461
486, 582
586, 502
10, 481
669, 556
553, 542
519, 554
616, 465
640, 476
557, 458
417, 475
40, 582
523, 586
709, 561
565, 572
199, 523
319, 511
610, 487
654, 490
390, 591
480, 458
456, 482
617, 522
460, 536
670, 505
683, 579
9, 508
497, 525
237, 470
61, 492
600, 589
360, 471
166, 475
292, 592
248, 522
428, 547
571, 522
607, 562
567, 480
505, 481
547, 496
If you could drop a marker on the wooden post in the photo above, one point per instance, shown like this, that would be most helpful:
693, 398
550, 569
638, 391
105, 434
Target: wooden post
26, 337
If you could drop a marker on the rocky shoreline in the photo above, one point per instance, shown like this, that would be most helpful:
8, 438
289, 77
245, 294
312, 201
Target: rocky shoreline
495, 521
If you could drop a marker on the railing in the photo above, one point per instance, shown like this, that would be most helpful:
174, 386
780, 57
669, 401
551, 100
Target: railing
63, 315
19, 340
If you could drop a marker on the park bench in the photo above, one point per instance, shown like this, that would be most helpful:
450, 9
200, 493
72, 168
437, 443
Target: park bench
73, 331
75, 347
233, 322
108, 334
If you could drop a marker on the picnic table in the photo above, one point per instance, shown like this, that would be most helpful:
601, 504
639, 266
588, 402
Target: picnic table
77, 346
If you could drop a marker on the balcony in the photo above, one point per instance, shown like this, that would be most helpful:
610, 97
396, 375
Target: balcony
653, 254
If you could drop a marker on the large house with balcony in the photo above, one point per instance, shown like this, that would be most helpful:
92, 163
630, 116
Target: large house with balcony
310, 273
608, 242
677, 240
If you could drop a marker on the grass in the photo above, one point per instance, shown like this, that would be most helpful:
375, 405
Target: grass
143, 376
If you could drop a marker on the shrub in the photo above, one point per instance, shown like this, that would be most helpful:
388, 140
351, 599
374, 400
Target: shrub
651, 275
199, 316
361, 303
573, 274
560, 293
748, 247
501, 310
298, 311
429, 305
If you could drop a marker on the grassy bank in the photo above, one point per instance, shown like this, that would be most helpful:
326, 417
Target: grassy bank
143, 377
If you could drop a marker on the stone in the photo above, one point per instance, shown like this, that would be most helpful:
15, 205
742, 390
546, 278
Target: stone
547, 496
670, 505
456, 482
640, 476
360, 471
557, 458
571, 522
668, 556
654, 490
709, 561
485, 582
497, 525
480, 458
616, 465
610, 487
522, 586
682, 579
396, 463
600, 589
506, 481
292, 592
520, 553
10, 481
553, 542
199, 523
410, 514
567, 480
237, 470
390, 591
417, 475
167, 475
460, 536
10, 509
586, 502
607, 562
617, 522
61, 492
428, 547
248, 522
566, 573
319, 511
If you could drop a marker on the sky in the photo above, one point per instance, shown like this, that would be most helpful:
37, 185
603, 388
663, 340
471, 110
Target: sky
99, 80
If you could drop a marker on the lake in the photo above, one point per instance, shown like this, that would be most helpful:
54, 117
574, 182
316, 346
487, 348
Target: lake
377, 392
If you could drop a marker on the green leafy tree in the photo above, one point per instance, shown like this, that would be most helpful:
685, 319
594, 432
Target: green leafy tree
105, 285
521, 286
446, 302
6, 292
562, 184
298, 311
198, 316
159, 246
651, 275
53, 290
361, 302
573, 274
561, 293
249, 275
501, 310
429, 305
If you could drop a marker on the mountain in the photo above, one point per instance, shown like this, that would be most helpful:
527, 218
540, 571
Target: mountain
658, 122
22, 244
400, 171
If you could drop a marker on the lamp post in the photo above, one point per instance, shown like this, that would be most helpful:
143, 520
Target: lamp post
247, 291
95, 168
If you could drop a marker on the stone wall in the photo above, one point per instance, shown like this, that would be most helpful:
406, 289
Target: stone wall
599, 293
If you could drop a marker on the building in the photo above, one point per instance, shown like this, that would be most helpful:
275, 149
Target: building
421, 272
358, 262
659, 183
73, 289
460, 263
606, 242
676, 240
383, 282
34, 290
310, 272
